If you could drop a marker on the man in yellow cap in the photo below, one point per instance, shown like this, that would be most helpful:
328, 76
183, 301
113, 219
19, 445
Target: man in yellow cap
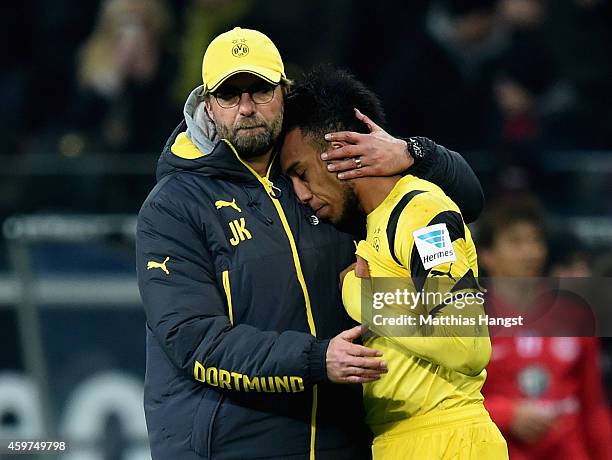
241, 61
247, 340
240, 51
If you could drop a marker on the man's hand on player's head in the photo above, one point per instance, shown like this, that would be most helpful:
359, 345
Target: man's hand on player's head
374, 154
351, 363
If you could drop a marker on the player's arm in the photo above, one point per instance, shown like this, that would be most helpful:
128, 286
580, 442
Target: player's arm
465, 348
384, 155
188, 314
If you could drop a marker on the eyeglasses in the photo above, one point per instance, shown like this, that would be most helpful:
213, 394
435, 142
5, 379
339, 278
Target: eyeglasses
229, 96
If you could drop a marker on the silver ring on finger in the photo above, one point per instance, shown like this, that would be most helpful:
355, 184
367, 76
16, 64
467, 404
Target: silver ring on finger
358, 162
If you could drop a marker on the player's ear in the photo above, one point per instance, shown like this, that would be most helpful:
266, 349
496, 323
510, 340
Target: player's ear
286, 86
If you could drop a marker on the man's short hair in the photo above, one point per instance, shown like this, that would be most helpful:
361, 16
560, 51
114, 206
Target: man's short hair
506, 212
324, 101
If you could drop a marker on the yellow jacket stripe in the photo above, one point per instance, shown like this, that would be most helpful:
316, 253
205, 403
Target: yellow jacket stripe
267, 184
228, 295
184, 148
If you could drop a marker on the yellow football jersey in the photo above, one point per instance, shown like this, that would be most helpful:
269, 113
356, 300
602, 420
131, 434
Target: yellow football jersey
417, 233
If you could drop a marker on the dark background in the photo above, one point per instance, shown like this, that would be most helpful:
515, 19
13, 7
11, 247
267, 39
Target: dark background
91, 89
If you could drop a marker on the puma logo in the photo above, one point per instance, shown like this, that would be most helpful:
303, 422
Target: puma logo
227, 204
440, 273
152, 264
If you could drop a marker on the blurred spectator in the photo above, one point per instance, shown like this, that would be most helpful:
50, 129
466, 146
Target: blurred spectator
544, 393
579, 38
527, 75
569, 258
549, 93
523, 14
40, 39
125, 72
439, 82
58, 30
511, 232
202, 21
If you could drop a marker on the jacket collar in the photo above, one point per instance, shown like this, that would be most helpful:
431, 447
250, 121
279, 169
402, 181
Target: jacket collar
181, 154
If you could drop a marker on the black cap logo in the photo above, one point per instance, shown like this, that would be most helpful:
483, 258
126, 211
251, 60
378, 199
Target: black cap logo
240, 48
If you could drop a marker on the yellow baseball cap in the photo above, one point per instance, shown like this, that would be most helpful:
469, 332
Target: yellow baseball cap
241, 50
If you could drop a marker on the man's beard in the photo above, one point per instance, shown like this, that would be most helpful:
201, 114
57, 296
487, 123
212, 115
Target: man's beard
352, 219
254, 145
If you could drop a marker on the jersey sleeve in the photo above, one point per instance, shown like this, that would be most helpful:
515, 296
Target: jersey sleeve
432, 241
351, 295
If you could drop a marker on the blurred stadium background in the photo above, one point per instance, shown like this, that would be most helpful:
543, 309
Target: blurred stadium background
91, 89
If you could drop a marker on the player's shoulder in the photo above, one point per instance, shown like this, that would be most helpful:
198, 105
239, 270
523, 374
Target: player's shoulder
420, 203
424, 219
173, 188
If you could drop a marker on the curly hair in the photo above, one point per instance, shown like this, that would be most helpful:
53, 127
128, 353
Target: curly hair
324, 100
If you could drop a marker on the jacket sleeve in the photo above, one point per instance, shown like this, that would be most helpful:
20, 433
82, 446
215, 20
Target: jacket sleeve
449, 171
187, 312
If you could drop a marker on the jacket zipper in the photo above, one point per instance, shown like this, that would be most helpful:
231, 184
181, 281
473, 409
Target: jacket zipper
258, 212
274, 193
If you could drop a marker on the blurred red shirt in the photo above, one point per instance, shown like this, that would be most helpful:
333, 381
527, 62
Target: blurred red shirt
562, 375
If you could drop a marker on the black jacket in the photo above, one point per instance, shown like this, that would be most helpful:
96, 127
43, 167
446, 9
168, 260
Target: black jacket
240, 289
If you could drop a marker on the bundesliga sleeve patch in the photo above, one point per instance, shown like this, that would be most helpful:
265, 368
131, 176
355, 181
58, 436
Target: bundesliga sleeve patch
434, 245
